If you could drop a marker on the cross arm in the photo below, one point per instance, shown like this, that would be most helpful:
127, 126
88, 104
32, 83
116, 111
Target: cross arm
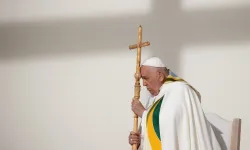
144, 44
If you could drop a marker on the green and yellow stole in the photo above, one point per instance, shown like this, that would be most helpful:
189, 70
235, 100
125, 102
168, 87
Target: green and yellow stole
153, 128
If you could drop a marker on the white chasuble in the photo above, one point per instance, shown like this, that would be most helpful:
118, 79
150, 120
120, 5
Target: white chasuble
175, 121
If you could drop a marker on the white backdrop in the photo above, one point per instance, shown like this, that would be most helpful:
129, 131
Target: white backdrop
67, 76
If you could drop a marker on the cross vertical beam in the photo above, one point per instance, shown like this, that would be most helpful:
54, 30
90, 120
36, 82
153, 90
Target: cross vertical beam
137, 86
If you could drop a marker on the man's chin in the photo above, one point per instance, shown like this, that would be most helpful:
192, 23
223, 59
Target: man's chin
150, 91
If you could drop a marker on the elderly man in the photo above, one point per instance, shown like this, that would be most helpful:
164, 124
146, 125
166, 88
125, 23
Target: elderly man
175, 119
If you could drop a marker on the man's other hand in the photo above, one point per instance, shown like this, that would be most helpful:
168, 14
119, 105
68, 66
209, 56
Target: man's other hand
137, 107
134, 138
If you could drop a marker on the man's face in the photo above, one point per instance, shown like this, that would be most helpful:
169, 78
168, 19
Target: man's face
151, 79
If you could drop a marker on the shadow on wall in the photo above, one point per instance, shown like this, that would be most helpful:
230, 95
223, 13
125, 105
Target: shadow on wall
168, 28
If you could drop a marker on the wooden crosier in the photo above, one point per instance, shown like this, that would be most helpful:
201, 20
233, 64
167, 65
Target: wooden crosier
137, 86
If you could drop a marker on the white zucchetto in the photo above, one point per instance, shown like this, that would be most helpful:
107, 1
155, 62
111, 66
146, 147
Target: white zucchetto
153, 62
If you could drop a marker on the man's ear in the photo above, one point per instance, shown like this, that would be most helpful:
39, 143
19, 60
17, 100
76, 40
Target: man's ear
162, 76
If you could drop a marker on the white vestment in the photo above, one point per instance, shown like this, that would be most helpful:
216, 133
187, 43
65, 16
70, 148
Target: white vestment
177, 121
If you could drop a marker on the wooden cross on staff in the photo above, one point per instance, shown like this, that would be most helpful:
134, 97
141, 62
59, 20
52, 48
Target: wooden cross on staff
137, 86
